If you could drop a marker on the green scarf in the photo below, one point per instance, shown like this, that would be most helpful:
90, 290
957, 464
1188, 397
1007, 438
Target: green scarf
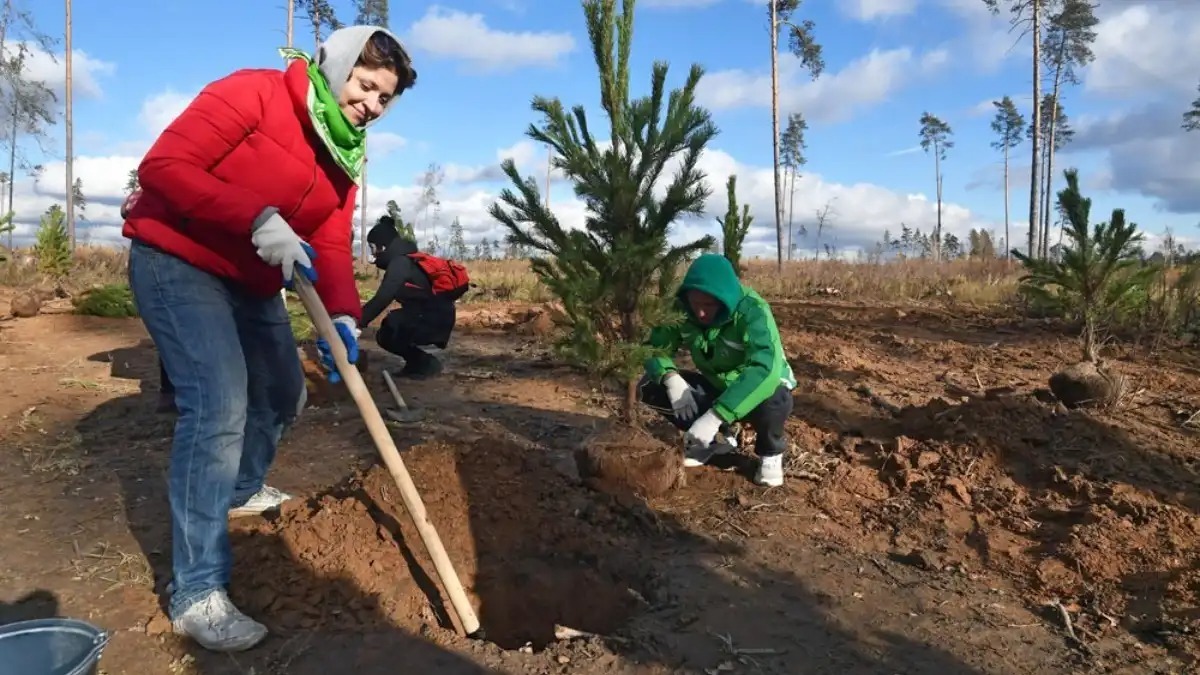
346, 142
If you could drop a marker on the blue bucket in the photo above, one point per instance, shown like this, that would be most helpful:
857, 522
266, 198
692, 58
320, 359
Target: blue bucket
51, 647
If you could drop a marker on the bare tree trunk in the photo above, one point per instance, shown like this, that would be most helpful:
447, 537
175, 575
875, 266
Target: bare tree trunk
1049, 177
937, 231
1049, 172
291, 15
70, 121
1007, 235
775, 131
791, 212
316, 22
12, 166
1090, 353
362, 218
1035, 137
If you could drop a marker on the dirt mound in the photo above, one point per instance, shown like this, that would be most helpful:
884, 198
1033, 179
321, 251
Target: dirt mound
531, 551
627, 461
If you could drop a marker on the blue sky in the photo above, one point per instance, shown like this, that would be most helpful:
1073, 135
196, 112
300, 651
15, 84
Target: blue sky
138, 62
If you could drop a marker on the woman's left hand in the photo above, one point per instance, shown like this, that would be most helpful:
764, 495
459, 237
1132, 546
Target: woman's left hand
348, 331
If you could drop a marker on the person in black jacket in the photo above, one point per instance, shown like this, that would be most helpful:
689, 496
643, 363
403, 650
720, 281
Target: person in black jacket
422, 318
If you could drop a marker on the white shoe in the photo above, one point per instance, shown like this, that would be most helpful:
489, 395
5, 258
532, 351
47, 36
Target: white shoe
699, 455
215, 624
770, 471
266, 499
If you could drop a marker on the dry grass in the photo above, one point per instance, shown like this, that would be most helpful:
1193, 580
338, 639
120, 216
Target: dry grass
976, 282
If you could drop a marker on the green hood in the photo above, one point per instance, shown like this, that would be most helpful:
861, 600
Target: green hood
712, 273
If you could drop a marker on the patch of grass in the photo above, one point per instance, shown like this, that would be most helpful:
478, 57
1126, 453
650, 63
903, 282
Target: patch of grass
112, 301
105, 562
62, 456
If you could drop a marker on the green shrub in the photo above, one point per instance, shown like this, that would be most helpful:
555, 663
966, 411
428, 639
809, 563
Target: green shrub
112, 301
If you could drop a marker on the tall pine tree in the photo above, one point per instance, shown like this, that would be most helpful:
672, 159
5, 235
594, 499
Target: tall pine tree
1008, 125
792, 147
935, 139
1066, 47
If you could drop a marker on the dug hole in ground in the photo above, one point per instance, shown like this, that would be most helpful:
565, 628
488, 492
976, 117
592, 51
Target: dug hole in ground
941, 513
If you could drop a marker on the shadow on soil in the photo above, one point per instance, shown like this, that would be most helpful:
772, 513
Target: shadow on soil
39, 604
534, 547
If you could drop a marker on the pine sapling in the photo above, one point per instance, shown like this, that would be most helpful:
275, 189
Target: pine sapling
734, 226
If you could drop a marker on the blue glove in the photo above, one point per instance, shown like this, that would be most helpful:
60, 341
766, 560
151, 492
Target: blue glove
308, 270
348, 332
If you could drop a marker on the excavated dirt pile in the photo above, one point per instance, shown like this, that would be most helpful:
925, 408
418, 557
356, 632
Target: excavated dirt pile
531, 549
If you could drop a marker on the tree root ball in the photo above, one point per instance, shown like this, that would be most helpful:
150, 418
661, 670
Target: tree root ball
1085, 384
25, 305
624, 460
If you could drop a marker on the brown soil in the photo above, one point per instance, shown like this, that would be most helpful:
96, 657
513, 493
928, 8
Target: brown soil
525, 558
943, 512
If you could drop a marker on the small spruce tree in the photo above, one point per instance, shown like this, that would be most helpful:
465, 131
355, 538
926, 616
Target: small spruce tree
616, 277
53, 245
734, 226
1100, 269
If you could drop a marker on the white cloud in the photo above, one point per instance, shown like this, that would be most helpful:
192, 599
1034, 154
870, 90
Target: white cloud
872, 10
380, 144
861, 211
160, 109
1145, 48
676, 4
51, 70
528, 157
867, 81
449, 33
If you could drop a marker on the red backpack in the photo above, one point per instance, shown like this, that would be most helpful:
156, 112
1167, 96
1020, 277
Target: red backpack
448, 279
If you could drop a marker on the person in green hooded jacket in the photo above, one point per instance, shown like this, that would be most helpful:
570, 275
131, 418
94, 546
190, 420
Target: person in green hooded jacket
744, 375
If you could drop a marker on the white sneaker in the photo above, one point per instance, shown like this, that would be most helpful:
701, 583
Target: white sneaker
266, 499
770, 471
699, 455
215, 624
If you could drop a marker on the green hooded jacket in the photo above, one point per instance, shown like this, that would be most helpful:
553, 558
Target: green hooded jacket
740, 353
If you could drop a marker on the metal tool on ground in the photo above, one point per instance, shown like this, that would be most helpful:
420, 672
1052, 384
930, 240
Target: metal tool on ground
391, 455
402, 413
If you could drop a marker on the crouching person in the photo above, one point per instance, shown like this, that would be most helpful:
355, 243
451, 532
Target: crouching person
743, 374
426, 287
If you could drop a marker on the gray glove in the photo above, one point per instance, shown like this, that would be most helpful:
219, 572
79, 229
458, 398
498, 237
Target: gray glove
278, 244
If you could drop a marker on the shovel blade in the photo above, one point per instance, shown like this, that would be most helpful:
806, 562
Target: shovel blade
405, 415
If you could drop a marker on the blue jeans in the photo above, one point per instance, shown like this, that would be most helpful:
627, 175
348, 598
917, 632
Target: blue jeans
238, 384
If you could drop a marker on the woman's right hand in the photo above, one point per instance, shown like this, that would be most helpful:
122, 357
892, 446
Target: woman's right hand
278, 244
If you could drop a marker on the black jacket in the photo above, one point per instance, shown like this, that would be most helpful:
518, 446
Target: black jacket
406, 283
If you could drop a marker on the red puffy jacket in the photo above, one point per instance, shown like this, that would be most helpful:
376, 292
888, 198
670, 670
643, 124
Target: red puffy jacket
245, 143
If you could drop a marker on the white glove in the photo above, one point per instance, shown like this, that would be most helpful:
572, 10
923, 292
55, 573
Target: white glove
682, 396
704, 430
279, 245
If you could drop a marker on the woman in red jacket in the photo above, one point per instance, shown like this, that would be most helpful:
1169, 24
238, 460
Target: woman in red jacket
255, 179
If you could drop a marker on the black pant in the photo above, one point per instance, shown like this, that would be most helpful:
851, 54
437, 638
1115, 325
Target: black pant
768, 418
404, 331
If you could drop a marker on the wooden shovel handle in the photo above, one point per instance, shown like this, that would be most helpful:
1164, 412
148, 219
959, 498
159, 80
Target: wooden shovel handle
391, 456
